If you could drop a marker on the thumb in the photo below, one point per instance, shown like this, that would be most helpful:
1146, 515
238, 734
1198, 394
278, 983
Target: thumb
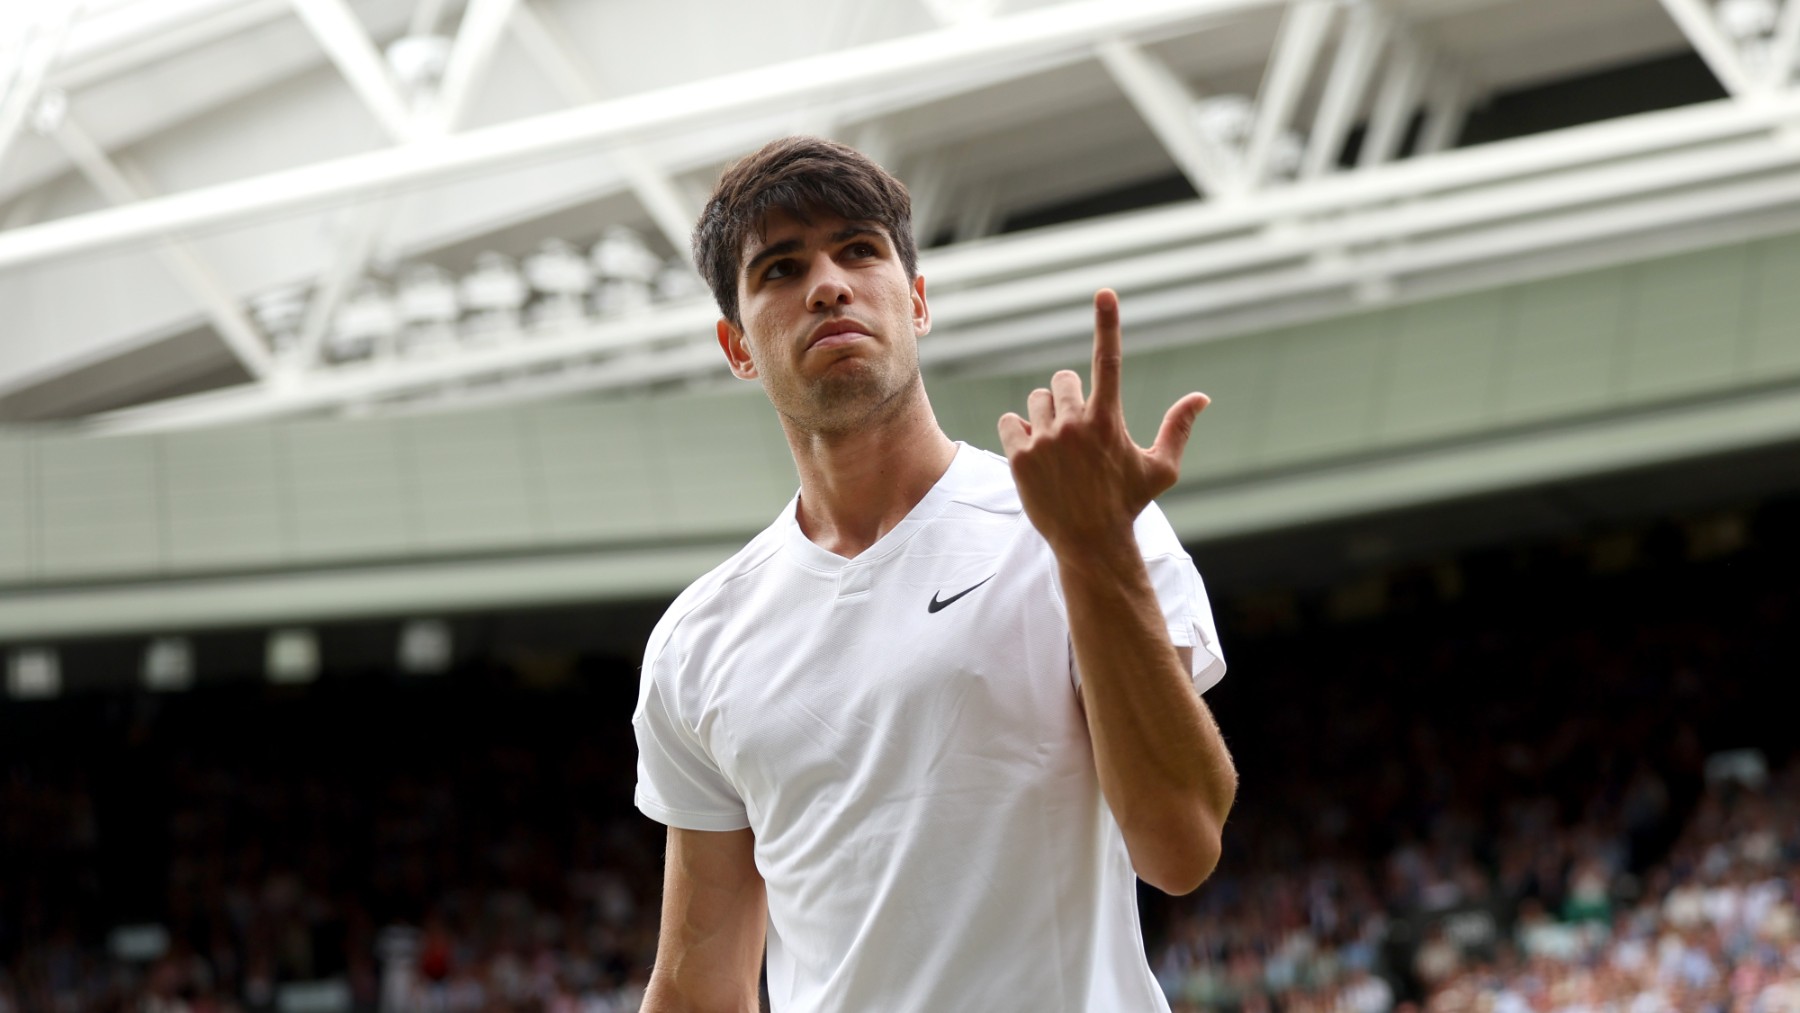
1177, 426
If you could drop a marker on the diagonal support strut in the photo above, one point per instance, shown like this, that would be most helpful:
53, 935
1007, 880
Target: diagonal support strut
1697, 22
120, 184
1296, 50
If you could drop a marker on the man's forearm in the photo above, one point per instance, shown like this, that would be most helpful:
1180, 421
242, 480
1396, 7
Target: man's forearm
1162, 763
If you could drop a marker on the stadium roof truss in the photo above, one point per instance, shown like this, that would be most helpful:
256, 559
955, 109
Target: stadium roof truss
1285, 227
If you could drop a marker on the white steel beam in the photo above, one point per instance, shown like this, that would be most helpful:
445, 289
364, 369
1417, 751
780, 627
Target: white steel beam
1466, 228
1723, 123
1395, 106
105, 48
1167, 106
1290, 67
1635, 137
1784, 52
875, 139
1716, 210
668, 208
354, 253
483, 24
958, 12
552, 56
391, 378
1362, 42
120, 184
40, 45
344, 39
928, 180
1188, 307
1287, 295
1445, 113
1697, 22
23, 210
978, 213
1014, 41
1377, 227
425, 17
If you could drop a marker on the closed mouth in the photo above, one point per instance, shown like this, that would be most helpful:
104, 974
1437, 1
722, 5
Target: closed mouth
841, 333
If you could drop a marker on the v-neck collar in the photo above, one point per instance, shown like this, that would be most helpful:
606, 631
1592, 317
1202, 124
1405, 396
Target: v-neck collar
816, 557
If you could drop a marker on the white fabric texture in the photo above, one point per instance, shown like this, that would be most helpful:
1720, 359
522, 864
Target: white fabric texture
920, 783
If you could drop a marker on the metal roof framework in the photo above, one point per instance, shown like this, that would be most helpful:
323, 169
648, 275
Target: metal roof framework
1284, 228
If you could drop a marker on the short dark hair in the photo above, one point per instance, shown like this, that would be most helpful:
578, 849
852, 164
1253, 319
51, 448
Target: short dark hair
801, 176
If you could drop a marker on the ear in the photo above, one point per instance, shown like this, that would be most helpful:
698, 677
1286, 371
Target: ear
737, 350
921, 308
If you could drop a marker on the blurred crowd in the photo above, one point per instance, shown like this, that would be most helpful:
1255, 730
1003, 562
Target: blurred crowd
1714, 927
361, 847
1556, 791
1531, 788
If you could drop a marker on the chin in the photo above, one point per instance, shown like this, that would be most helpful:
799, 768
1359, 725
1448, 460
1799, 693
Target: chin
846, 399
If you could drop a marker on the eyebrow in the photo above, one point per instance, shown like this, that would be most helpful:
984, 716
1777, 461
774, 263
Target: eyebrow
788, 246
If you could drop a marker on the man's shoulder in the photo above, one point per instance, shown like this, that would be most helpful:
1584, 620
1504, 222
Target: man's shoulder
705, 591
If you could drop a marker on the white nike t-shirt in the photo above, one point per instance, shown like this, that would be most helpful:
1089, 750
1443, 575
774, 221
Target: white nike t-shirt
901, 732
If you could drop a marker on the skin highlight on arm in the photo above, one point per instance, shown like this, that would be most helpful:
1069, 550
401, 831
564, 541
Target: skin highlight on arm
714, 918
1162, 764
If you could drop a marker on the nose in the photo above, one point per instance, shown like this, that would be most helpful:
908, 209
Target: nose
829, 287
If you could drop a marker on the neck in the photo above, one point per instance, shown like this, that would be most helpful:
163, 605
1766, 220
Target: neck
857, 485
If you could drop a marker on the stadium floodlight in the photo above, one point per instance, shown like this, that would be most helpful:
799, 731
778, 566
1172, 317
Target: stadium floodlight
138, 944
367, 323
1745, 20
1226, 119
622, 255
51, 110
426, 647
293, 656
1749, 767
678, 282
625, 268
561, 277
33, 673
418, 62
280, 314
494, 294
169, 665
1752, 25
322, 996
1286, 154
428, 308
619, 298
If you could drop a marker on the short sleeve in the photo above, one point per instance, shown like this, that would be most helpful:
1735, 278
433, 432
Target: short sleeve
1179, 590
678, 784
1188, 615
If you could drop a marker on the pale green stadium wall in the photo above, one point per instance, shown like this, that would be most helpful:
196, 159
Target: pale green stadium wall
1397, 406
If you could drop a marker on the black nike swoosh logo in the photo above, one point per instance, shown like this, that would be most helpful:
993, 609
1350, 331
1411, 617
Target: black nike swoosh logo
947, 602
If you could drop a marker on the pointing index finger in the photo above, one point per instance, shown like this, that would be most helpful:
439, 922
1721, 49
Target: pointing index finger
1108, 350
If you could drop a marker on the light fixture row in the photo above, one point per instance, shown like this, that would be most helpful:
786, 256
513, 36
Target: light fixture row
426, 309
290, 657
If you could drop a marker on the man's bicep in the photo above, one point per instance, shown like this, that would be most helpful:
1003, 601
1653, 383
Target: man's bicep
714, 914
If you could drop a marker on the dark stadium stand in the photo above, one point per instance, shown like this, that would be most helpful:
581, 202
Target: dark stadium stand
1556, 776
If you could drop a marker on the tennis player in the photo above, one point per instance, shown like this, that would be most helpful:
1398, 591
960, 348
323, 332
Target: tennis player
916, 739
